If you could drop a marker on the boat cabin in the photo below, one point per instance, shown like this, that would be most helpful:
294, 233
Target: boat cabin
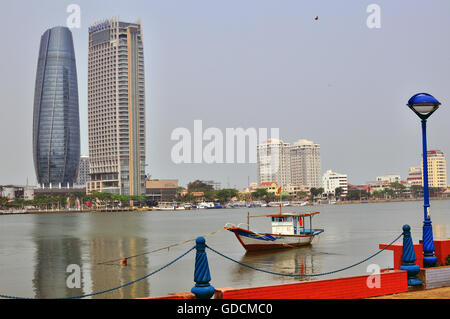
292, 224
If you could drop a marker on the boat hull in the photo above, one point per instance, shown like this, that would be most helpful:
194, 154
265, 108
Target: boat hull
262, 241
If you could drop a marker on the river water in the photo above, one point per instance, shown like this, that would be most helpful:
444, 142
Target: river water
36, 250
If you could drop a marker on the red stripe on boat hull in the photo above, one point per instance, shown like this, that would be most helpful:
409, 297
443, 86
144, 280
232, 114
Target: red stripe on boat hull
272, 246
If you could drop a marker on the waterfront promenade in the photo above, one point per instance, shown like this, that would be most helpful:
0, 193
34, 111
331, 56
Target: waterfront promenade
128, 209
438, 293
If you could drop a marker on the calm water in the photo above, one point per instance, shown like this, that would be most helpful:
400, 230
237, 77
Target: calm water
35, 250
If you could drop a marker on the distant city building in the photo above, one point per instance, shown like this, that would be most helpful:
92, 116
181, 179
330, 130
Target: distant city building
332, 180
378, 185
294, 189
271, 187
83, 171
415, 176
273, 162
391, 178
213, 184
116, 107
437, 169
56, 123
28, 192
286, 164
305, 164
253, 186
164, 190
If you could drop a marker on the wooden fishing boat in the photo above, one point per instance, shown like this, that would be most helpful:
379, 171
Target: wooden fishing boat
288, 231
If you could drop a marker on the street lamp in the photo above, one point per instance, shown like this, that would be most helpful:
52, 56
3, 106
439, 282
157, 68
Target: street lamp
424, 104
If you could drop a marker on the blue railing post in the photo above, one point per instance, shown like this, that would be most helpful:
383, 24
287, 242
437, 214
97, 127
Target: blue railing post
409, 258
202, 276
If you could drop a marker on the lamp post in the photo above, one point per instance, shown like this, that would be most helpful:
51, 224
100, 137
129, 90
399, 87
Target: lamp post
424, 104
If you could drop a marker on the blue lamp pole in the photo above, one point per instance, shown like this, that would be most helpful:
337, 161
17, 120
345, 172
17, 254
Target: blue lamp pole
424, 104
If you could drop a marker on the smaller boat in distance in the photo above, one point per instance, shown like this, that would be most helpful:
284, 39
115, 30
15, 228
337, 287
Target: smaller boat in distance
288, 231
204, 205
166, 206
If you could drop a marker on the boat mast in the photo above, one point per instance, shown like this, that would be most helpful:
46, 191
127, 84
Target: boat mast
280, 198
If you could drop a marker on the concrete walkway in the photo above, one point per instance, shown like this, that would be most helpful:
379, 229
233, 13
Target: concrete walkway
438, 293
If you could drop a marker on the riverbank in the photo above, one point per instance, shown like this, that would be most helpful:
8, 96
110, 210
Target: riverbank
346, 202
59, 211
392, 200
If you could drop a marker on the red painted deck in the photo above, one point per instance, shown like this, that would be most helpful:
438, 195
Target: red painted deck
354, 287
441, 246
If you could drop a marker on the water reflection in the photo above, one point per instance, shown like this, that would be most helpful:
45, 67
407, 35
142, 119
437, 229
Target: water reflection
53, 254
286, 261
61, 241
112, 274
441, 231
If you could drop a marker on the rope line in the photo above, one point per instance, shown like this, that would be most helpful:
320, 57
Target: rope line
115, 288
159, 249
304, 275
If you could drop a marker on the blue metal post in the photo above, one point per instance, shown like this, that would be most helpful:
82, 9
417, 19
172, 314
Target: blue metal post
409, 258
202, 276
427, 236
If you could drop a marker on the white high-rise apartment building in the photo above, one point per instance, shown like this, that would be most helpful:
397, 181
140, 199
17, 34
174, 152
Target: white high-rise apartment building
437, 169
332, 180
287, 164
116, 108
273, 162
305, 164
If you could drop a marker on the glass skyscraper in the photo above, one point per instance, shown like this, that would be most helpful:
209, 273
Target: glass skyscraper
56, 123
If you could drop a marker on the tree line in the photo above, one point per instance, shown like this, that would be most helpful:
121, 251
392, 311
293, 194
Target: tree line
72, 200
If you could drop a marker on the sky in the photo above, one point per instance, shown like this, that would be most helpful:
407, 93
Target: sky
252, 64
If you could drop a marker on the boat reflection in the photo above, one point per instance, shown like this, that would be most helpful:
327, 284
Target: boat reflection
285, 261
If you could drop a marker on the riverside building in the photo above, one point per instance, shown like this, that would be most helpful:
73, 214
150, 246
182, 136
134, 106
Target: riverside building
332, 180
56, 123
305, 164
116, 107
288, 165
390, 178
273, 162
415, 176
437, 169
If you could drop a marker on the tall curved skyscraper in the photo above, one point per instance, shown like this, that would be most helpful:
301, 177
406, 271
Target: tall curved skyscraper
56, 122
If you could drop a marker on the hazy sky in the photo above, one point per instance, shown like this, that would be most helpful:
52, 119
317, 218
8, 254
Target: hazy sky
253, 63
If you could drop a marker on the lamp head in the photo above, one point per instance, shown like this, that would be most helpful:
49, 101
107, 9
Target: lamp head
423, 104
